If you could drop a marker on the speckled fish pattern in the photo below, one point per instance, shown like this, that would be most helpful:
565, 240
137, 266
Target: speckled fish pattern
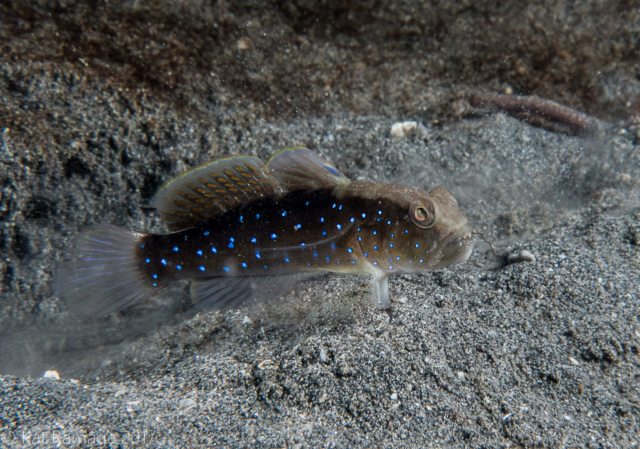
244, 230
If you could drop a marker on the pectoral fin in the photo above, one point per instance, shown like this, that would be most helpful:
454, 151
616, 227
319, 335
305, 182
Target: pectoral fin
380, 290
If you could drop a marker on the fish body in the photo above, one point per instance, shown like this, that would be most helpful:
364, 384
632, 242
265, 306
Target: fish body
244, 230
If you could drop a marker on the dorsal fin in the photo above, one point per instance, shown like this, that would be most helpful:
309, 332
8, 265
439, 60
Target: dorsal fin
212, 189
298, 168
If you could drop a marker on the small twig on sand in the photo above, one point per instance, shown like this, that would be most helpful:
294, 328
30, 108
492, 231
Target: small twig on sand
537, 111
487, 242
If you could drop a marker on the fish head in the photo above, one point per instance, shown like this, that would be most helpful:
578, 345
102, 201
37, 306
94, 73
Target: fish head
412, 230
439, 232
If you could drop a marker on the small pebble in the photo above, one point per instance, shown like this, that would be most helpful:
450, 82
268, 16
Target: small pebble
403, 129
522, 256
267, 364
246, 320
394, 396
574, 361
51, 375
323, 355
245, 43
186, 404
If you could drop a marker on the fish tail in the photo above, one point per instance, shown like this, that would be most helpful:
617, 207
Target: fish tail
99, 275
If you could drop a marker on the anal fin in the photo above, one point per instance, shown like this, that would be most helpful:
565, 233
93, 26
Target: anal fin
222, 293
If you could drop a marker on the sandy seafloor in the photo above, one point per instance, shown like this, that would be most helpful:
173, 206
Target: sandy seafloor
103, 103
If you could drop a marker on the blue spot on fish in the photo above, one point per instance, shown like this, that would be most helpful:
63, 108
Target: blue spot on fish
231, 239
175, 248
359, 238
324, 232
334, 205
307, 203
338, 261
321, 219
298, 226
286, 259
392, 235
178, 267
154, 285
240, 217
302, 244
340, 207
390, 245
327, 258
213, 249
142, 246
225, 268
375, 263
339, 226
417, 245
406, 231
244, 265
206, 233
352, 219
199, 252
164, 262
388, 222
253, 240
366, 255
230, 244
350, 250
147, 260
257, 255
375, 247
421, 260
284, 213
379, 212
273, 236
315, 254
266, 266
375, 232
353, 262
397, 257
202, 268
257, 216
364, 215
155, 276
391, 267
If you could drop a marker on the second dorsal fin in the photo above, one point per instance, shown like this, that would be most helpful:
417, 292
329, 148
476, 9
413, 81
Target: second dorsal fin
212, 189
298, 168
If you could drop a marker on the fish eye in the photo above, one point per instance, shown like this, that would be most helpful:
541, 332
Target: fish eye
424, 213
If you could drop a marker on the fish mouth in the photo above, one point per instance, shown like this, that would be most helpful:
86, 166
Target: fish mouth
456, 246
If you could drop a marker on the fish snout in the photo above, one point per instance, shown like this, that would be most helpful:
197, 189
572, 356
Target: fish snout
456, 246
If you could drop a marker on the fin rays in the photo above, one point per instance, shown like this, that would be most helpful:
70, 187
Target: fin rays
220, 293
212, 189
93, 282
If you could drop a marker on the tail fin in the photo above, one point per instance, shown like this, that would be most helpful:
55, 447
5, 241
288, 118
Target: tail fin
99, 274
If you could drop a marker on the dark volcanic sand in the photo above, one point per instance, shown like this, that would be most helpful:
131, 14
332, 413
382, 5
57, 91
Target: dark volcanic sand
103, 103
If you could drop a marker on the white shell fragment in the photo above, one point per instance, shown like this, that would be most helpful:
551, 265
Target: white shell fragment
186, 404
51, 375
522, 256
403, 129
244, 43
